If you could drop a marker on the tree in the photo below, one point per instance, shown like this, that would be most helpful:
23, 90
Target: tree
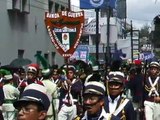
144, 32
156, 32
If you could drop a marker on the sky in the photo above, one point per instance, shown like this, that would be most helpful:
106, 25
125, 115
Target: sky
141, 12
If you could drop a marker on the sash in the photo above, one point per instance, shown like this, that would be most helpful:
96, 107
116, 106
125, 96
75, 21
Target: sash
153, 89
56, 82
68, 97
121, 106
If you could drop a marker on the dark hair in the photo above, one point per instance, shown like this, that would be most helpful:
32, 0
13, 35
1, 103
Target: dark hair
71, 69
21, 70
40, 107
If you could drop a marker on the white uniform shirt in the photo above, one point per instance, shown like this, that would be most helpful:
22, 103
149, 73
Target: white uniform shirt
113, 104
10, 92
106, 116
51, 90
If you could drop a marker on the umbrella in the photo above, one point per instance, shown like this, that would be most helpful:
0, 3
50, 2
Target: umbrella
20, 62
10, 68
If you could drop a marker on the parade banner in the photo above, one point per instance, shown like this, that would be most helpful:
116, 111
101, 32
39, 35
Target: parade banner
81, 53
146, 56
65, 30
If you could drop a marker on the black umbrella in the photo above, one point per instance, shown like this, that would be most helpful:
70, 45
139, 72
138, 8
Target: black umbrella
10, 68
20, 62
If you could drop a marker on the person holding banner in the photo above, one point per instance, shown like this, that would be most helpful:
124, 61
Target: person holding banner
72, 89
152, 93
115, 103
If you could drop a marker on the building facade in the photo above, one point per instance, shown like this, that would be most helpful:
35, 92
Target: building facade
23, 32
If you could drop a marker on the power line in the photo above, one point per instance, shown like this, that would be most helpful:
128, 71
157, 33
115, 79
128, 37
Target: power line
140, 19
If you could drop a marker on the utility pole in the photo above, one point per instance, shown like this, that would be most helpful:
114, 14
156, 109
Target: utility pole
69, 5
108, 35
66, 60
131, 32
97, 35
125, 23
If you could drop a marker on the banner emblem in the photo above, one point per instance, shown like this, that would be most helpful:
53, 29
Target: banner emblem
96, 3
65, 30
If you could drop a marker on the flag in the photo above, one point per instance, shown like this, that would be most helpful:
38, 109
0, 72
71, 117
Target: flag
112, 3
121, 9
92, 4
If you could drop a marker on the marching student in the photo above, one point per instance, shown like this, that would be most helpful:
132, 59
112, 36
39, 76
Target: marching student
152, 93
1, 101
31, 77
33, 103
93, 101
52, 91
70, 96
115, 103
11, 93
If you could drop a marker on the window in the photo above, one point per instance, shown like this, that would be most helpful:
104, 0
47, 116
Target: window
13, 4
62, 8
20, 53
25, 6
46, 56
19, 5
56, 7
38, 52
50, 6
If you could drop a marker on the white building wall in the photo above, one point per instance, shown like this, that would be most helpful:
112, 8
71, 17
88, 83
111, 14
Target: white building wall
26, 32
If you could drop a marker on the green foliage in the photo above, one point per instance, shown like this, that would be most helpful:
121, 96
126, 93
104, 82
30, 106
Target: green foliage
156, 32
157, 54
144, 32
4, 72
42, 60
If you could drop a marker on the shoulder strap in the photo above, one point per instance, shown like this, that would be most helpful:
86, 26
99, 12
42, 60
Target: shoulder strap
153, 89
106, 116
121, 106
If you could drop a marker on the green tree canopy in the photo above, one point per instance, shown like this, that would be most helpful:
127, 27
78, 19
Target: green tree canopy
144, 32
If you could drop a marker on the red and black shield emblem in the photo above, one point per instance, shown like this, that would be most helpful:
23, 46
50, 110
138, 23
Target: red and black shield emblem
65, 29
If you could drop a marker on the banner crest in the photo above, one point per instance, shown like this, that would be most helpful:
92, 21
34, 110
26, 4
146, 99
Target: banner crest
65, 30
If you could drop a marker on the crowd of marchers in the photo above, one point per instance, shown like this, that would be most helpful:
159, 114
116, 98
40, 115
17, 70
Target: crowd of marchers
79, 92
